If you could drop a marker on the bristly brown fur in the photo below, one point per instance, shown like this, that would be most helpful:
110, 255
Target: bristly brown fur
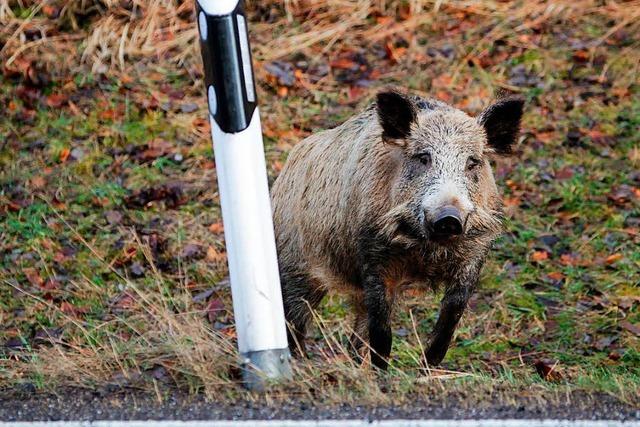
346, 213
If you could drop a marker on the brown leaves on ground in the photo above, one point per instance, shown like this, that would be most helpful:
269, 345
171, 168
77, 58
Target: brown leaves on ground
71, 309
191, 251
539, 256
171, 194
154, 149
31, 71
33, 276
548, 370
613, 258
394, 53
623, 194
216, 227
123, 302
215, 256
64, 155
56, 100
215, 310
634, 329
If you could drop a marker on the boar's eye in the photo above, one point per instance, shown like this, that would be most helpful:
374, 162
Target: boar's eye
424, 158
472, 163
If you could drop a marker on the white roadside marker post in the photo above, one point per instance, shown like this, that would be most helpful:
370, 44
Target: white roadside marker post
244, 192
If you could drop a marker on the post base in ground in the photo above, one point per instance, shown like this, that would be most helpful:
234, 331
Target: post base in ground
262, 367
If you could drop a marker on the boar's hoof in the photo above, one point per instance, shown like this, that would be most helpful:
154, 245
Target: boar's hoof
378, 362
434, 356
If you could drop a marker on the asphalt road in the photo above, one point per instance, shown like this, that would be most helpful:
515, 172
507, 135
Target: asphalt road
333, 423
83, 405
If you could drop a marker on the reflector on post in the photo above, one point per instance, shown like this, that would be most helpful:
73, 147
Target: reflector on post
244, 192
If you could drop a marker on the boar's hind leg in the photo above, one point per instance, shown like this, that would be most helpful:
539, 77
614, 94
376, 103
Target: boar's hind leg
378, 320
360, 333
299, 298
451, 308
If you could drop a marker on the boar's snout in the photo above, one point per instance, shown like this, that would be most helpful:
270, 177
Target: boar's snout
447, 222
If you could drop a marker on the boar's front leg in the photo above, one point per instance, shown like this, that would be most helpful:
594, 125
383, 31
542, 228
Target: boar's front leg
452, 306
378, 309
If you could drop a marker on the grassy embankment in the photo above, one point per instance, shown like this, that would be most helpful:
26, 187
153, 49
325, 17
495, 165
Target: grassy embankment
111, 247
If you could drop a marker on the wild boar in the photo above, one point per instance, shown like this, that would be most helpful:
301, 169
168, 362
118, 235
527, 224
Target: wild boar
400, 195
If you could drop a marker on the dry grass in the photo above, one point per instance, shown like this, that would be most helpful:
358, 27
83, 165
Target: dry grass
146, 329
110, 38
155, 339
159, 340
152, 338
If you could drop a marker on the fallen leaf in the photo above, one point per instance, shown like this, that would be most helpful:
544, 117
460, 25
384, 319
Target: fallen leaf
442, 81
108, 114
548, 370
113, 217
64, 155
616, 354
171, 194
44, 336
394, 53
38, 182
281, 73
201, 125
215, 310
123, 302
564, 173
605, 342
555, 275
50, 285
512, 203
627, 302
189, 107
60, 257
214, 255
190, 251
100, 202
70, 309
622, 194
229, 332
74, 109
33, 276
344, 64
634, 329
568, 259
216, 227
203, 296
538, 256
14, 344
581, 56
56, 100
283, 91
612, 259
156, 148
51, 11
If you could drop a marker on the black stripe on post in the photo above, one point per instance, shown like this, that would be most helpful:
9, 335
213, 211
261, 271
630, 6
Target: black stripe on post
228, 69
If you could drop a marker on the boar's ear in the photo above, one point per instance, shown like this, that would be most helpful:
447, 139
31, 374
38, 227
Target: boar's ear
501, 121
396, 113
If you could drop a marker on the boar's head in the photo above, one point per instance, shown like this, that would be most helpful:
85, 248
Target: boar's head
443, 188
